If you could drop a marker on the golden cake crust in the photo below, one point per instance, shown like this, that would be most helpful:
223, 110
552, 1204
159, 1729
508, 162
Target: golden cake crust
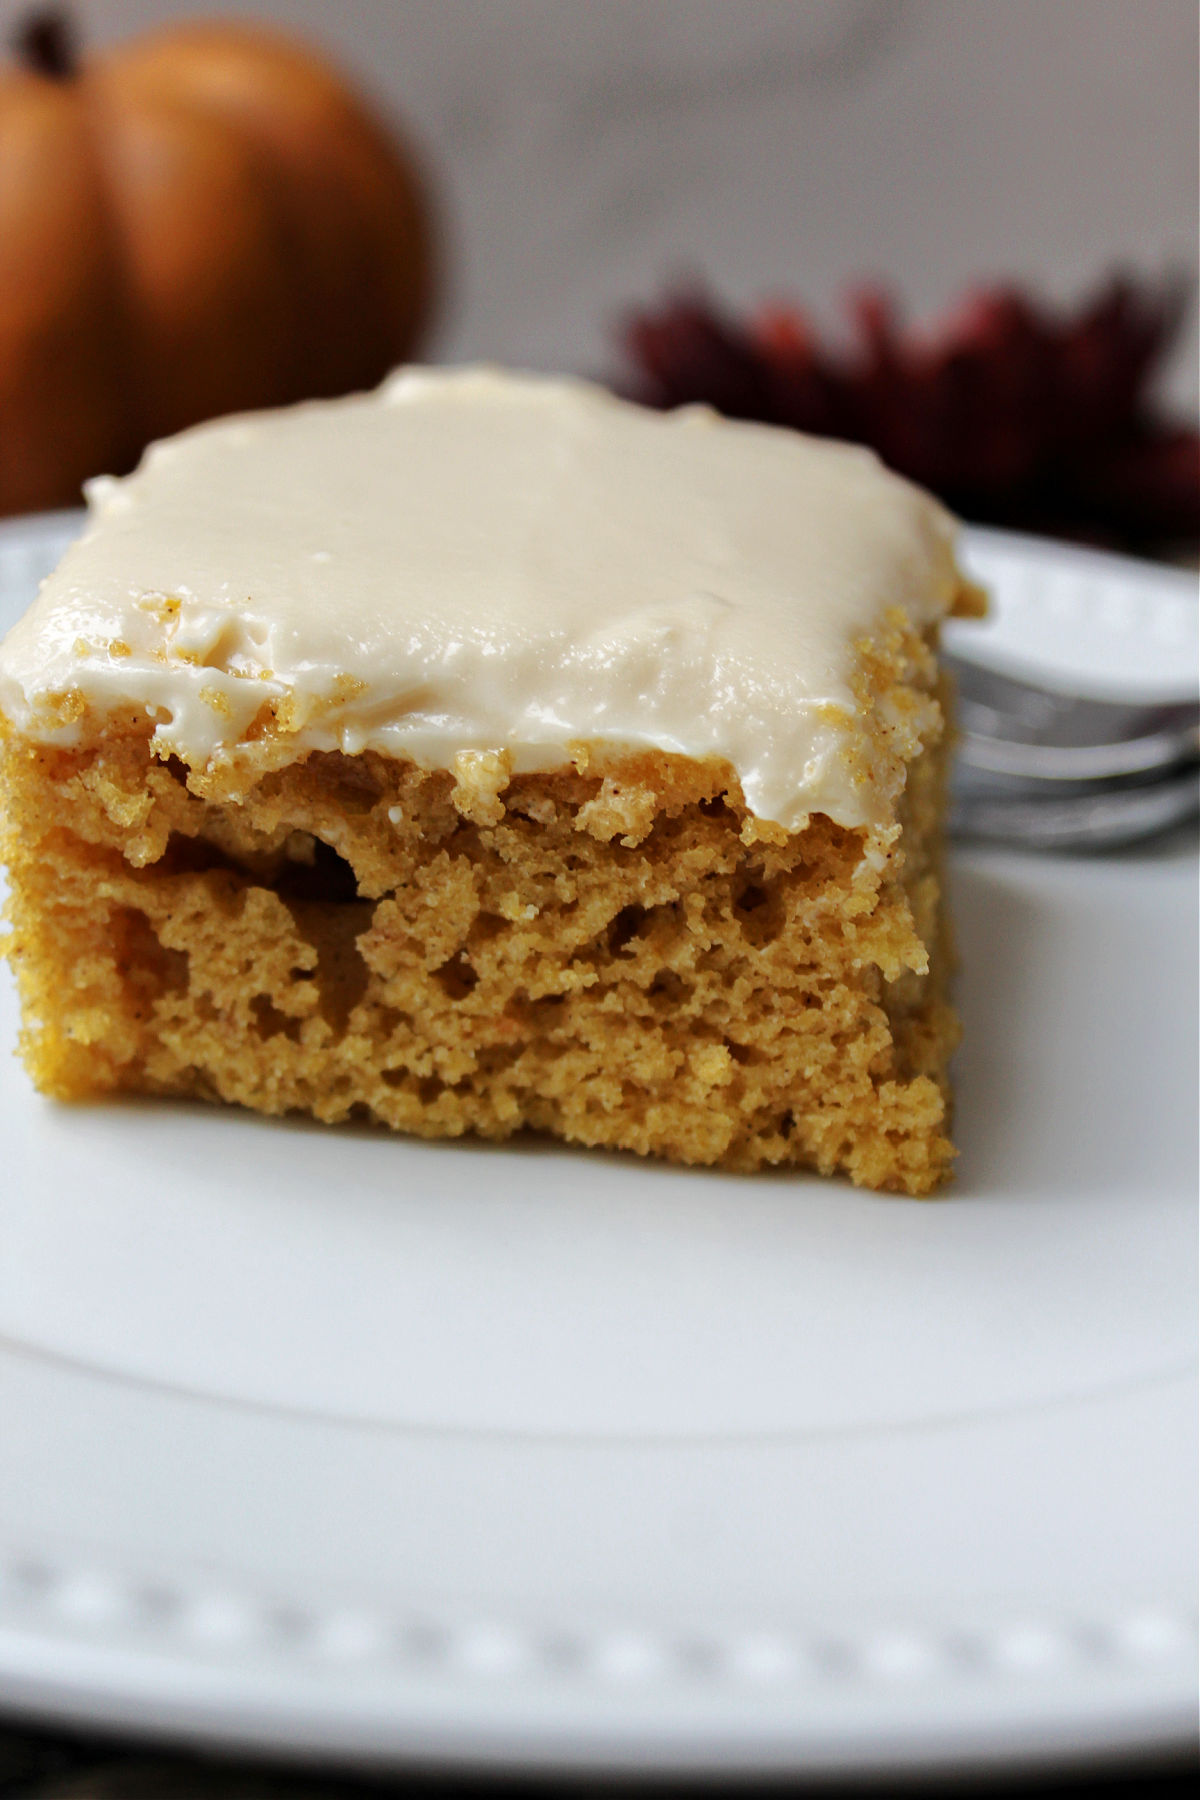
615, 952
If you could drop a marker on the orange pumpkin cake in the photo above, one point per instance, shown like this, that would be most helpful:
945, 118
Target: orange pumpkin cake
489, 753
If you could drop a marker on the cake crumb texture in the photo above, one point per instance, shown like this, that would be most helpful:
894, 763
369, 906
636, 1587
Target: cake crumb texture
611, 952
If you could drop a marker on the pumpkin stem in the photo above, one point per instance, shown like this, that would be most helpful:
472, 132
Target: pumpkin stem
46, 43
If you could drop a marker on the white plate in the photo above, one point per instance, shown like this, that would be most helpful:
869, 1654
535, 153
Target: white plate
331, 1441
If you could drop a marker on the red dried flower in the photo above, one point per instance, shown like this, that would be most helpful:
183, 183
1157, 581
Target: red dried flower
1016, 415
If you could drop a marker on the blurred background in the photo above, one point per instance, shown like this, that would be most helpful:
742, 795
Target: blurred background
989, 168
582, 154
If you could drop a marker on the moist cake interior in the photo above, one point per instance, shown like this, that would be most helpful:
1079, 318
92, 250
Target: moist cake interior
598, 954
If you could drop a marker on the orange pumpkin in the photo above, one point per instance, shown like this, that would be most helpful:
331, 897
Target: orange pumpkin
201, 221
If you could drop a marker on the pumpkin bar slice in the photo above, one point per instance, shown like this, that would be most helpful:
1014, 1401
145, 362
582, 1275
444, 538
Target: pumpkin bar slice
490, 753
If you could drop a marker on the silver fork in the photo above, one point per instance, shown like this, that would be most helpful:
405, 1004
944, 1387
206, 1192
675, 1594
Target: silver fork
1050, 769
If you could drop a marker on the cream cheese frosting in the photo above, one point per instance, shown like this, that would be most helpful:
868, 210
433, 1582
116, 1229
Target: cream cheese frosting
473, 561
